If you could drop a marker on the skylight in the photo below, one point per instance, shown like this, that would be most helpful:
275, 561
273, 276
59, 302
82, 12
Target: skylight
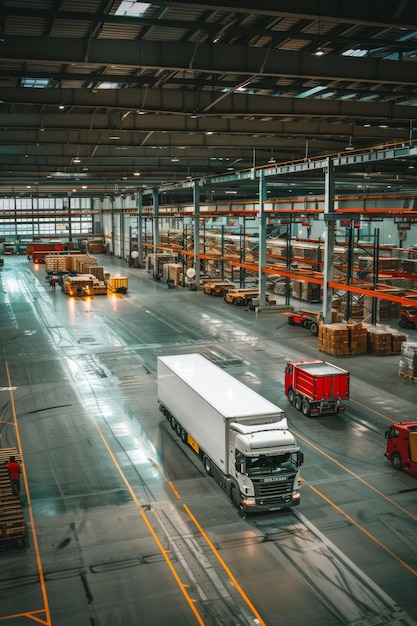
132, 8
358, 52
108, 85
38, 83
311, 92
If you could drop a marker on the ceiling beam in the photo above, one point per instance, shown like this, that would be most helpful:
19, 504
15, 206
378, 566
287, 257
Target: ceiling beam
208, 58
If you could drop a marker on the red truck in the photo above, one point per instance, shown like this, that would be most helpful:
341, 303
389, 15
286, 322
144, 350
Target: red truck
316, 387
402, 446
37, 250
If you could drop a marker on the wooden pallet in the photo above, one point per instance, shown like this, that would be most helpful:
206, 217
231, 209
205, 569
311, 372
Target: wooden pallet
12, 523
408, 377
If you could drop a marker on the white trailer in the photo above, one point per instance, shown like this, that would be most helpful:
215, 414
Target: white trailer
242, 438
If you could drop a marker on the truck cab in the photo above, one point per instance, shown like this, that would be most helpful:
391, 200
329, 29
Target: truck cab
402, 446
266, 465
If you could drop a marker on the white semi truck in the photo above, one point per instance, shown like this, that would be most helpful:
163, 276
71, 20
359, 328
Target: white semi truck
242, 438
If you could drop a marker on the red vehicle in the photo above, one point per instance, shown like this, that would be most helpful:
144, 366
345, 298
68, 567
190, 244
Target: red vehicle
408, 318
402, 446
37, 250
306, 319
316, 387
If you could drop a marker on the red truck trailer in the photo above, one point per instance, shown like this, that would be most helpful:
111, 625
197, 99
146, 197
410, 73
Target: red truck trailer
316, 387
37, 250
402, 446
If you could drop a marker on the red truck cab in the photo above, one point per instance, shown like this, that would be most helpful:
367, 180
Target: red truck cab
402, 446
316, 387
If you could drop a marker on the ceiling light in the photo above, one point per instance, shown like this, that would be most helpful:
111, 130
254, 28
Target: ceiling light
61, 106
349, 146
76, 160
136, 173
319, 52
141, 112
113, 137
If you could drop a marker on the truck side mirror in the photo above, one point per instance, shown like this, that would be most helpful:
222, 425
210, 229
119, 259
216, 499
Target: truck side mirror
300, 458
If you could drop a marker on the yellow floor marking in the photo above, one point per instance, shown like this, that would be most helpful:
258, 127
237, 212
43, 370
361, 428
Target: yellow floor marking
364, 482
226, 568
32, 520
366, 532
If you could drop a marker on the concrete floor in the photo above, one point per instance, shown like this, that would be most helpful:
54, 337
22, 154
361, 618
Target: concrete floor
125, 527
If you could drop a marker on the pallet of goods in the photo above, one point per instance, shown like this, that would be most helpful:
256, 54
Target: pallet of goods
383, 340
342, 339
12, 523
408, 361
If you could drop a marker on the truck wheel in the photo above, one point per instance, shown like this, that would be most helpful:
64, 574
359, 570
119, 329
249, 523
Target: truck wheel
207, 465
183, 436
314, 328
178, 429
305, 408
173, 422
291, 396
234, 497
409, 325
297, 402
396, 461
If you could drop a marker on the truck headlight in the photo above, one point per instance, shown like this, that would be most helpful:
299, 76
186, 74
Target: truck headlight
249, 502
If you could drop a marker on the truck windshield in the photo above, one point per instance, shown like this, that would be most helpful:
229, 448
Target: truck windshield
263, 464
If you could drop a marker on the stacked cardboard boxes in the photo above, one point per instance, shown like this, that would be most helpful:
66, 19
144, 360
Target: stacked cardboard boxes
397, 340
379, 341
55, 263
171, 272
383, 340
95, 247
361, 338
334, 339
338, 339
96, 270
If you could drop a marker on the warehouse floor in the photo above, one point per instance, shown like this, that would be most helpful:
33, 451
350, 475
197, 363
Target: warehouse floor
124, 526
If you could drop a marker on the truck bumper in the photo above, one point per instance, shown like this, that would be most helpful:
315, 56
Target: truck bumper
256, 505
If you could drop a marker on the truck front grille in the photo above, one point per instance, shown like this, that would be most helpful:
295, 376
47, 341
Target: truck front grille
270, 493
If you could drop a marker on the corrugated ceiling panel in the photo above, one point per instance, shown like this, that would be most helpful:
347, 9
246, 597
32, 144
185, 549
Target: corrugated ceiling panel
70, 29
91, 6
165, 34
122, 31
15, 26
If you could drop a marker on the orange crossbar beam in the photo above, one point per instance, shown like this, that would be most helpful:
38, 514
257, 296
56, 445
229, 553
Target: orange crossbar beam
318, 280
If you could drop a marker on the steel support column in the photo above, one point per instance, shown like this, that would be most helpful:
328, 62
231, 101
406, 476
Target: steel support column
196, 200
140, 232
155, 231
262, 240
329, 215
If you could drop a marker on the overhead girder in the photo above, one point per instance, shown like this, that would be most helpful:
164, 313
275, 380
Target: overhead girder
207, 58
343, 13
84, 116
388, 13
178, 146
